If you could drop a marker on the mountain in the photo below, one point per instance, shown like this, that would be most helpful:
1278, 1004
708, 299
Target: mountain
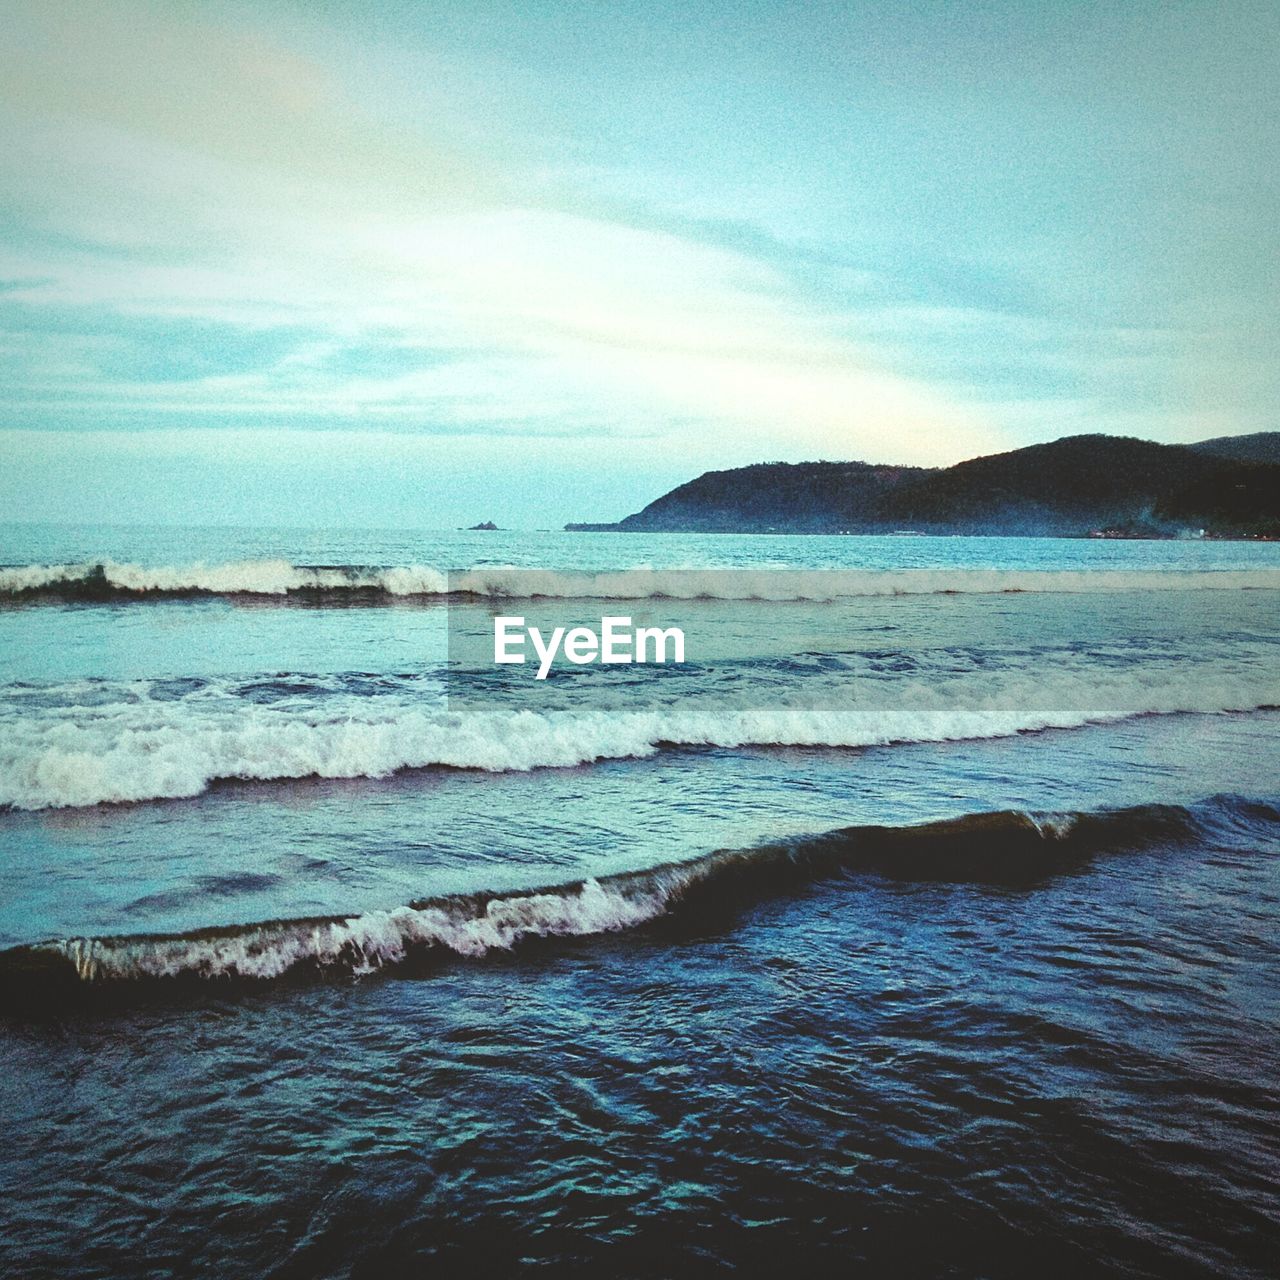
1071, 487
1262, 446
803, 497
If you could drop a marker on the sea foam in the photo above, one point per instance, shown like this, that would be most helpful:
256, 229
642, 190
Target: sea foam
1003, 846
59, 753
280, 580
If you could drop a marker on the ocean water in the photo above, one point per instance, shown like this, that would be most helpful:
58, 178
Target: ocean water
923, 922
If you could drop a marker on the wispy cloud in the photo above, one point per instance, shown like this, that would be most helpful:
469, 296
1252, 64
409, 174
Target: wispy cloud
181, 170
868, 239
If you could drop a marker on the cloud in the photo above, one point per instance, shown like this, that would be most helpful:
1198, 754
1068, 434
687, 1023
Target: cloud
183, 169
825, 231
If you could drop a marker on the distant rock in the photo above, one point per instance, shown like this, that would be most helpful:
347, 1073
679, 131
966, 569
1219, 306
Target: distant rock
486, 526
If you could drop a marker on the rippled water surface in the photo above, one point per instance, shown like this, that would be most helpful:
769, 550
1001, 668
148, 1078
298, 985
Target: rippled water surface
923, 929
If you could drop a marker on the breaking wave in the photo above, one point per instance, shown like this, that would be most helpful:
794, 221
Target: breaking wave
282, 581
1003, 846
88, 751
107, 580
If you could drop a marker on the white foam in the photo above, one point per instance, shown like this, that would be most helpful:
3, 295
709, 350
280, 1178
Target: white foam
279, 578
58, 754
248, 577
819, 585
368, 942
1053, 826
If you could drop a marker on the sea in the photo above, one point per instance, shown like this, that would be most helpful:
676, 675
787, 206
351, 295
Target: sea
924, 921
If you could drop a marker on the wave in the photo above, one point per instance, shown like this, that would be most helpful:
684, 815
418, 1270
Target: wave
107, 580
1006, 846
95, 752
281, 580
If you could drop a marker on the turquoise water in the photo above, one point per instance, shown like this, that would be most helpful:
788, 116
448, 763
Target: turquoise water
395, 957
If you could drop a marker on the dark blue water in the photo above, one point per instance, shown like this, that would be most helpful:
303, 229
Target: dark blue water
925, 934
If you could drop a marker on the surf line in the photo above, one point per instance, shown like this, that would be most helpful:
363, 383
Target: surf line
617, 641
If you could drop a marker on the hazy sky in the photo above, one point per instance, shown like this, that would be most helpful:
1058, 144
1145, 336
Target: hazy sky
428, 263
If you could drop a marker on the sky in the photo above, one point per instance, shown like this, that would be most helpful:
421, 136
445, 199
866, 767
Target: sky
417, 264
